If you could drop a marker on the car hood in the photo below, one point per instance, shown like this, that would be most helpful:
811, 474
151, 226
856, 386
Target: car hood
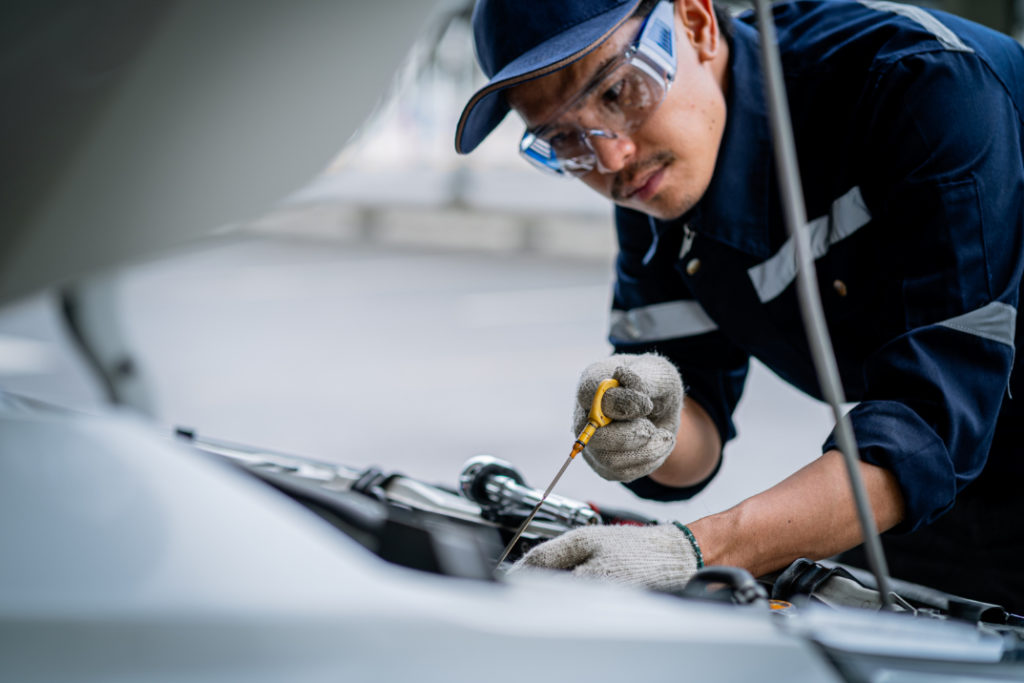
130, 129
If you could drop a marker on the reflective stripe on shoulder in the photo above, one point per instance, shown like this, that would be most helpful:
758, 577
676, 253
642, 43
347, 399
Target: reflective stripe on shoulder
657, 322
848, 214
928, 22
996, 321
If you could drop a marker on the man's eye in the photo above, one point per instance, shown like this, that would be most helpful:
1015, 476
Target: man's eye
561, 139
611, 95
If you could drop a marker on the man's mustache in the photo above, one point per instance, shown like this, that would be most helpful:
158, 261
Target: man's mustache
625, 180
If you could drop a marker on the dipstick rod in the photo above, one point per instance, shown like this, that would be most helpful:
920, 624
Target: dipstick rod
595, 419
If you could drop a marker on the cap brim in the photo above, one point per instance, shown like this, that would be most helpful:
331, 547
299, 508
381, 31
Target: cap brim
487, 107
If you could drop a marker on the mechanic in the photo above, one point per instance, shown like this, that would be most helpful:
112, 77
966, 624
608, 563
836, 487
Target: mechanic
908, 132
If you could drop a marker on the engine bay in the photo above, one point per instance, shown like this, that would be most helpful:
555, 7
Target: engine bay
460, 530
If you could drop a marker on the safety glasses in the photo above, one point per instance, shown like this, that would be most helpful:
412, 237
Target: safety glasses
619, 99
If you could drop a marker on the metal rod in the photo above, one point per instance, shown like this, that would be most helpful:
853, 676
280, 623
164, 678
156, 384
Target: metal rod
807, 289
533, 513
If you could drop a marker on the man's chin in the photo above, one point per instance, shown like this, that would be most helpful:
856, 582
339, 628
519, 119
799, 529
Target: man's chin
669, 214
659, 207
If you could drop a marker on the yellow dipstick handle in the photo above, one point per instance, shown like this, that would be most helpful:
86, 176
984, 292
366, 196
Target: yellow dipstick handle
595, 419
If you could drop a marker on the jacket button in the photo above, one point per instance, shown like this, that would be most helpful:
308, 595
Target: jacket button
840, 287
692, 266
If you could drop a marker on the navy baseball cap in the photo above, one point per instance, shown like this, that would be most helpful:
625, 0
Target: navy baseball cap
518, 40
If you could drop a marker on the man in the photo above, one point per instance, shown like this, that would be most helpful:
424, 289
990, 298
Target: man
908, 130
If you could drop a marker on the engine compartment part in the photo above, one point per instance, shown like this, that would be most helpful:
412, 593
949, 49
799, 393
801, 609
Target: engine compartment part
460, 532
740, 587
501, 491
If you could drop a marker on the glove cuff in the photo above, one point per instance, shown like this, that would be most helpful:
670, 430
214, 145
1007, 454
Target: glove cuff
693, 543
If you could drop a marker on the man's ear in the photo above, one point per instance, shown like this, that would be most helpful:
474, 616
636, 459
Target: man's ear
700, 26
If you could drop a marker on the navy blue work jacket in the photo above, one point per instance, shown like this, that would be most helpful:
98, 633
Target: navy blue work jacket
908, 131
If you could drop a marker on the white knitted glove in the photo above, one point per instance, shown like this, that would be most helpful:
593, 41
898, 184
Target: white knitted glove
645, 409
661, 557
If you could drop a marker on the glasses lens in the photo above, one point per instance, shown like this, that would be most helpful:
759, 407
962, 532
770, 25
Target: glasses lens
580, 165
625, 99
538, 152
618, 103
563, 152
568, 144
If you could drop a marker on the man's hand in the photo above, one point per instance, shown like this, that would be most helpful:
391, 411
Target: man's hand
659, 557
645, 408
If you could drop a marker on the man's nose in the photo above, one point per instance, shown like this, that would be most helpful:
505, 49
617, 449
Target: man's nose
612, 154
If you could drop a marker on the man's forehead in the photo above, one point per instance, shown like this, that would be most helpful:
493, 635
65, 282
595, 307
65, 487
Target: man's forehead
539, 99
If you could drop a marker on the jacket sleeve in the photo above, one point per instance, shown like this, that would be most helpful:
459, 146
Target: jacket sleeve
944, 182
654, 311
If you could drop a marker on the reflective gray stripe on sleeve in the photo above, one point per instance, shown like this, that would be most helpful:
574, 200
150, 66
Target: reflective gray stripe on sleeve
996, 321
942, 33
657, 322
848, 214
